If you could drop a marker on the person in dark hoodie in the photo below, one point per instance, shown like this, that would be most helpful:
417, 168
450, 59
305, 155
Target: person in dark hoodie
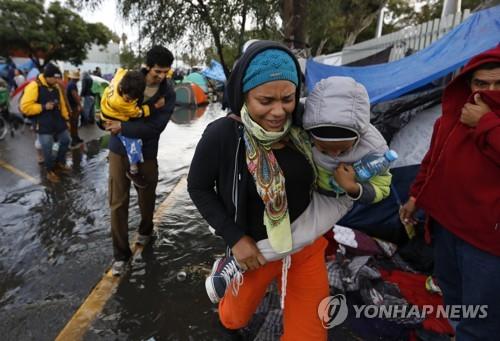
88, 113
159, 97
458, 186
237, 181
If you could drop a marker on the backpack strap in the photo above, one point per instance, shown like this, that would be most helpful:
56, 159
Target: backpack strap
235, 117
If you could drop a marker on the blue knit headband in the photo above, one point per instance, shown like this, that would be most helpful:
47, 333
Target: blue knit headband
270, 65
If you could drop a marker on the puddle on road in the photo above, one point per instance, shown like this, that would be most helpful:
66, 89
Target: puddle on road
55, 245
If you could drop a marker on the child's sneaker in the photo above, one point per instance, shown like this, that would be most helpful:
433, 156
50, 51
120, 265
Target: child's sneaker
137, 179
223, 272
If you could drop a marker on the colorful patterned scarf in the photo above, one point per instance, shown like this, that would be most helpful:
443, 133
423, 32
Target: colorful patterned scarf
269, 178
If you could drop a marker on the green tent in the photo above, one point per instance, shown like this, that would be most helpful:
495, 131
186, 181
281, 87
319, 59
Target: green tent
98, 86
4, 97
198, 79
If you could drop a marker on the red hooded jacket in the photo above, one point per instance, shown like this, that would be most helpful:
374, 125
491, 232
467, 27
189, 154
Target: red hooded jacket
459, 179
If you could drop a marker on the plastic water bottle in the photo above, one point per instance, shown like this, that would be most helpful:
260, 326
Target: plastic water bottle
373, 164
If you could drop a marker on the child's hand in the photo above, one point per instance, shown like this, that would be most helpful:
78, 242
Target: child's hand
159, 103
345, 177
114, 127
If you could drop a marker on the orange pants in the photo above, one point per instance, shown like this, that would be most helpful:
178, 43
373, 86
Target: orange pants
307, 285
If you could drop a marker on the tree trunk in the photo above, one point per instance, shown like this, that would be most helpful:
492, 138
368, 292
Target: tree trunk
293, 16
351, 37
203, 12
242, 28
287, 18
321, 45
299, 9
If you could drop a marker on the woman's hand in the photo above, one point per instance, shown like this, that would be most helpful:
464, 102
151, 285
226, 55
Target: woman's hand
345, 176
247, 254
407, 212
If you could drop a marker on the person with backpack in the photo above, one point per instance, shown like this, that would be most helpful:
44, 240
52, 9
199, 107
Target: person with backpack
44, 101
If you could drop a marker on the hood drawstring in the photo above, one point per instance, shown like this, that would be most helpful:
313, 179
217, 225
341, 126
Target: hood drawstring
287, 261
236, 283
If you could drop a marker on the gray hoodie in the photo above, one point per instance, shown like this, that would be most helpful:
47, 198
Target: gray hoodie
343, 102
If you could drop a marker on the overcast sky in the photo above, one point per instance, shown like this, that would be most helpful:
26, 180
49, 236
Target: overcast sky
107, 14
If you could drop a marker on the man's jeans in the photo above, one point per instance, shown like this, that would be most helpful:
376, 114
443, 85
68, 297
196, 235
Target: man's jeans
88, 109
468, 276
47, 142
119, 196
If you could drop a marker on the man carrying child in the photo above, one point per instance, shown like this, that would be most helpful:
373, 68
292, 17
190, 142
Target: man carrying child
159, 97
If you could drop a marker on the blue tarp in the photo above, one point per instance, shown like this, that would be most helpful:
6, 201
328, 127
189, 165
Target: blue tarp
33, 73
26, 66
215, 71
480, 32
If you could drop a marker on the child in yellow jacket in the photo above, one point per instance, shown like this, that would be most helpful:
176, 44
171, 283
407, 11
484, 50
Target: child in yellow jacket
120, 102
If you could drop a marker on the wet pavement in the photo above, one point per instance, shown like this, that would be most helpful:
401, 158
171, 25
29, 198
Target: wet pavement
55, 245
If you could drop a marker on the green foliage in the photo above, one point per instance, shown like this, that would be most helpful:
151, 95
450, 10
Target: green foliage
54, 33
402, 15
128, 59
331, 23
217, 23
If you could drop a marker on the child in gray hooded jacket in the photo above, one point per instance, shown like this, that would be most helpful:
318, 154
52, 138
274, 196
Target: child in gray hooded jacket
337, 116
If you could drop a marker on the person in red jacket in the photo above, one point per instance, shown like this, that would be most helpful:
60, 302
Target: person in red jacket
458, 186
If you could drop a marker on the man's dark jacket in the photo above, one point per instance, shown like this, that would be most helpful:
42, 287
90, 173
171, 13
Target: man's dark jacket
150, 128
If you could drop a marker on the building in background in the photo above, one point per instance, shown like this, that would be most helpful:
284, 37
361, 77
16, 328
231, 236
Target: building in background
106, 58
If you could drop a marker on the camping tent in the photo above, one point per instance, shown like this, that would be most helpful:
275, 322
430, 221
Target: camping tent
33, 73
215, 71
198, 79
190, 94
186, 115
480, 32
98, 86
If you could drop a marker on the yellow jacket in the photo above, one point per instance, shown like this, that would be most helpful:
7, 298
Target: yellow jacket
29, 101
114, 106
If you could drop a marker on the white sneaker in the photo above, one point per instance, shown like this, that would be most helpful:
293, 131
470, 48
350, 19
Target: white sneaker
118, 267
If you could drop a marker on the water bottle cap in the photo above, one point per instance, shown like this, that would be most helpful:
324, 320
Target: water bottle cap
391, 155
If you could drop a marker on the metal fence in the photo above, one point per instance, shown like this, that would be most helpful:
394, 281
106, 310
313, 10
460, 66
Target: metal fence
403, 42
